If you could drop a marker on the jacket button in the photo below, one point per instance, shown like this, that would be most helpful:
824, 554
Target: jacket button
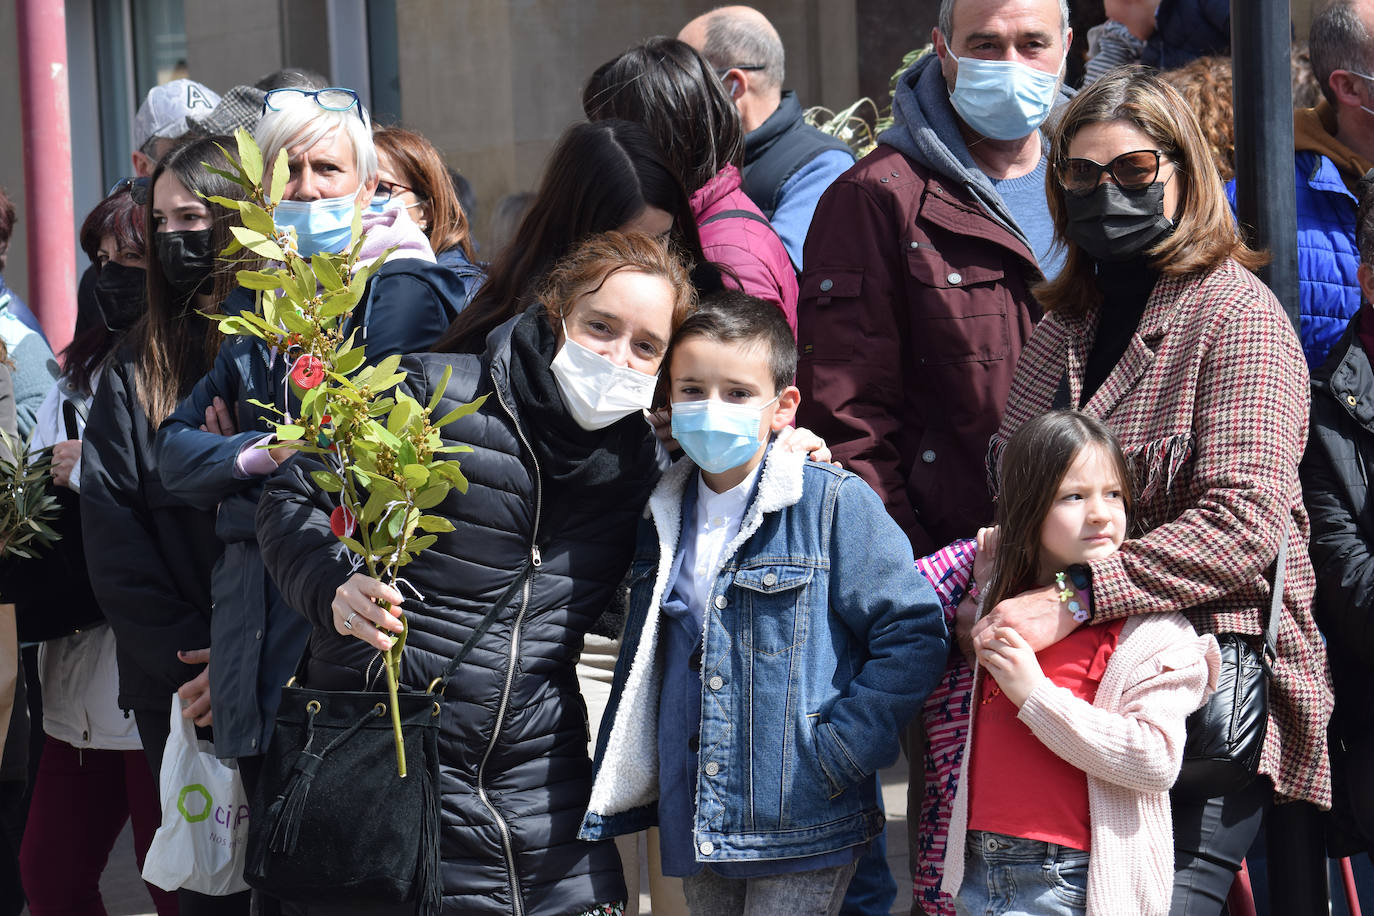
712, 768
770, 579
915, 244
707, 848
258, 635
716, 682
884, 180
693, 744
955, 279
1351, 400
928, 456
827, 284
253, 742
721, 602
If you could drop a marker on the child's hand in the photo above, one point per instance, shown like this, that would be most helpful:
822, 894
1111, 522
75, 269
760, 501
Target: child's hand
986, 554
1011, 661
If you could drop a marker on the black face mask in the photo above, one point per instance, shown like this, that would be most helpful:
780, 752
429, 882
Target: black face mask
186, 259
121, 295
1112, 224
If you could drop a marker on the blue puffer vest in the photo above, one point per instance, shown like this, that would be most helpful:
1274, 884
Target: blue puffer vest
1328, 292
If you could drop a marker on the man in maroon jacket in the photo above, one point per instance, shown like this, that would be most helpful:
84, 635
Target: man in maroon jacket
915, 301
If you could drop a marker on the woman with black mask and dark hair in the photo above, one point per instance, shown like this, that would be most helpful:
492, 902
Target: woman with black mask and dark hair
609, 175
92, 767
669, 88
150, 556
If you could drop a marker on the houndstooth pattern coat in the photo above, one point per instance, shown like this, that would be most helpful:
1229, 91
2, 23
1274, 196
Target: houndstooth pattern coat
1210, 402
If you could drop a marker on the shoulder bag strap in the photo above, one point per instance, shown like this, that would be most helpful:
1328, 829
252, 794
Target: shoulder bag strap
526, 571
1271, 625
738, 214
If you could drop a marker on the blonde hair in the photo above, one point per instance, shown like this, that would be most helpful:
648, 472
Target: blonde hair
304, 123
1205, 233
1205, 85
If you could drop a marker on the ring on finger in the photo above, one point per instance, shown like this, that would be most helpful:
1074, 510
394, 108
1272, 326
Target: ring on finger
348, 621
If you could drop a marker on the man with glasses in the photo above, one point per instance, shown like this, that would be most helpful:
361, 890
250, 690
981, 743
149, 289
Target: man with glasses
1334, 147
916, 297
788, 163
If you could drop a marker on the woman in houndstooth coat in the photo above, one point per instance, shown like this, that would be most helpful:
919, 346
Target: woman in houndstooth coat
1157, 327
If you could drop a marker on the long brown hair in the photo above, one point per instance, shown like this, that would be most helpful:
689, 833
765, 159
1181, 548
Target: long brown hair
1205, 232
422, 170
1036, 458
175, 346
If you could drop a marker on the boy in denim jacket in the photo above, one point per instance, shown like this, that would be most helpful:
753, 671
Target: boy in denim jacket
777, 641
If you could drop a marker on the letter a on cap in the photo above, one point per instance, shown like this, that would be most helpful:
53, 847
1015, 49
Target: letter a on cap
196, 99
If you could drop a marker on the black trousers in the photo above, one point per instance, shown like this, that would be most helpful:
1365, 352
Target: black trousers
153, 730
1210, 841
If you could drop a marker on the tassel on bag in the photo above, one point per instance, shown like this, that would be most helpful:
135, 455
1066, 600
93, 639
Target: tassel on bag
430, 887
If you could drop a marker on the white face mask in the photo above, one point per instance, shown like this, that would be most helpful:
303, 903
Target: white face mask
596, 391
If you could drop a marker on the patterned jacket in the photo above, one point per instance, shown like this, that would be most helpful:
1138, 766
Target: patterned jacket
1210, 402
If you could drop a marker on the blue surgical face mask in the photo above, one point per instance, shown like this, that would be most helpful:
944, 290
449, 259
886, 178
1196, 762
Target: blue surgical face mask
718, 436
321, 225
385, 206
1003, 99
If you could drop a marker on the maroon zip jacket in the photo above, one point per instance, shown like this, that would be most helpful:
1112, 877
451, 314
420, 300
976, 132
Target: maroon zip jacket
915, 305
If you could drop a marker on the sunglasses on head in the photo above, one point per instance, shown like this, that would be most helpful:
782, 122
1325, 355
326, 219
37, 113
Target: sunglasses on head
137, 188
1133, 171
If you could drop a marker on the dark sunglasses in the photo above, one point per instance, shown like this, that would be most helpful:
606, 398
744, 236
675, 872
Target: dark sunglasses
1133, 171
334, 98
137, 188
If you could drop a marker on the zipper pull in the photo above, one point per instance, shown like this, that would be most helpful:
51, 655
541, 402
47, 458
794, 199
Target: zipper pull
535, 557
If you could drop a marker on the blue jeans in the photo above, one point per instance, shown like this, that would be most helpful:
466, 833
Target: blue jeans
803, 893
1010, 876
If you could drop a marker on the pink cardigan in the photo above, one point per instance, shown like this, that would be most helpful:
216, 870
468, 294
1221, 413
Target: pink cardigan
1129, 742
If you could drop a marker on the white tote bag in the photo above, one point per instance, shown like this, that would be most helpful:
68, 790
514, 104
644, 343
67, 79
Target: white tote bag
202, 842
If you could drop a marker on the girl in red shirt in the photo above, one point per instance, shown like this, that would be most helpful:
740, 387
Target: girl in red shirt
1062, 806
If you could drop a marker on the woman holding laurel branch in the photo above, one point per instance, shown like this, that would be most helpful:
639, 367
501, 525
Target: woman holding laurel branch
562, 464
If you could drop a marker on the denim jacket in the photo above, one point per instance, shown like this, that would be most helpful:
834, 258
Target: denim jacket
821, 641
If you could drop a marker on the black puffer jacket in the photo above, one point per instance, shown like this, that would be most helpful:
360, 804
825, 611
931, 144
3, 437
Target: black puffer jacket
149, 555
1335, 471
516, 775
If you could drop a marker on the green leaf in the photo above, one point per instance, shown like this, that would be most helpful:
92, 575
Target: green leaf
280, 172
416, 475
289, 432
254, 279
250, 157
435, 523
439, 389
256, 218
227, 203
235, 176
423, 542
460, 411
394, 522
400, 414
354, 546
325, 270
294, 321
431, 495
257, 243
329, 483
348, 361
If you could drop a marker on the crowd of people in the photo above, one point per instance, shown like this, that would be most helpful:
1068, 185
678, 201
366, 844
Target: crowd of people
973, 447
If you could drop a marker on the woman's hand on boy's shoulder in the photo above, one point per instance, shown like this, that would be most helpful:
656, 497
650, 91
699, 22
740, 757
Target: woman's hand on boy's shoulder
799, 439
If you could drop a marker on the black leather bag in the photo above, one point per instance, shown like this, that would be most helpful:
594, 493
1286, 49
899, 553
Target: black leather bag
1225, 737
332, 822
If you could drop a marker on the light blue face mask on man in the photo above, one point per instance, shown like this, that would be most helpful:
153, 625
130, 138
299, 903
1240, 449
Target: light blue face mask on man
1003, 99
323, 225
715, 435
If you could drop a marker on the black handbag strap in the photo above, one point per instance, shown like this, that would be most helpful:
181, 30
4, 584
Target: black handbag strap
1271, 623
526, 573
